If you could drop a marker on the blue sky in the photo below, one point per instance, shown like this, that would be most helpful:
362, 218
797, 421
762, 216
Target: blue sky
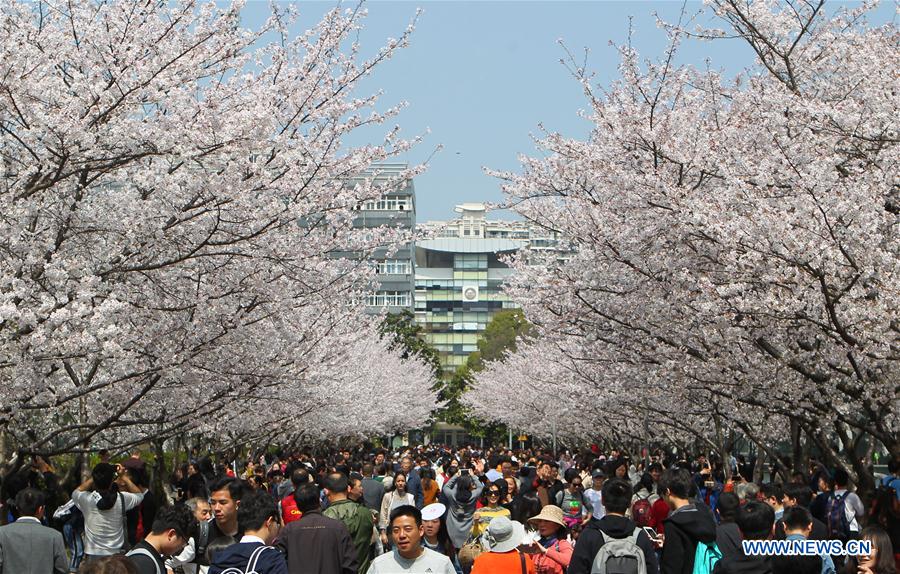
482, 76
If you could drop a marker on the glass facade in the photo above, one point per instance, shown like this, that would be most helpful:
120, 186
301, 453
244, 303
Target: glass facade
453, 314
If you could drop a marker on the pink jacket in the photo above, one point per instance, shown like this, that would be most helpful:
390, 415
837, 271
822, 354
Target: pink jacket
555, 559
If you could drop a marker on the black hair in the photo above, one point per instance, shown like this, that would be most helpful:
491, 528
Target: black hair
336, 482
234, 487
307, 497
109, 565
655, 466
799, 492
755, 519
368, 468
103, 474
177, 517
256, 507
570, 474
882, 548
299, 476
841, 478
394, 482
464, 489
772, 490
615, 463
794, 564
525, 506
499, 484
28, 501
616, 495
796, 518
406, 510
728, 506
894, 465
205, 466
645, 482
677, 481
217, 545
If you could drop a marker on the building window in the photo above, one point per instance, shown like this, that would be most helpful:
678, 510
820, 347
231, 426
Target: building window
388, 299
470, 261
393, 267
387, 204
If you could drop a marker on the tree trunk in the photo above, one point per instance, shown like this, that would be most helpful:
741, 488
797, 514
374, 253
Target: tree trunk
797, 462
759, 468
159, 473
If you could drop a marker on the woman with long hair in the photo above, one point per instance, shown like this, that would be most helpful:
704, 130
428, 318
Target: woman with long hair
493, 494
461, 493
434, 523
512, 491
880, 561
395, 496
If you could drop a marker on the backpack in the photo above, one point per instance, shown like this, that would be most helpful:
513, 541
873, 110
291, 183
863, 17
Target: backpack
620, 556
289, 511
202, 542
640, 512
838, 526
705, 557
145, 552
251, 563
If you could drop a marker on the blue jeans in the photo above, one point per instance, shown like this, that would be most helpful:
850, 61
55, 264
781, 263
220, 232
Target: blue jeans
75, 544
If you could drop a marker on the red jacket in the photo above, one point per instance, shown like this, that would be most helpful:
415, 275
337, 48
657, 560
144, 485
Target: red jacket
289, 512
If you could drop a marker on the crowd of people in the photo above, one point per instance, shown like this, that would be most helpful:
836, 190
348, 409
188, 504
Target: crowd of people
442, 510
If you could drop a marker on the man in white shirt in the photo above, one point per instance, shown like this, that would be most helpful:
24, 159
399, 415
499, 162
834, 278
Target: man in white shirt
853, 506
409, 555
104, 509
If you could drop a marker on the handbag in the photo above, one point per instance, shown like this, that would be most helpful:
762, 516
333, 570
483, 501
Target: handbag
471, 550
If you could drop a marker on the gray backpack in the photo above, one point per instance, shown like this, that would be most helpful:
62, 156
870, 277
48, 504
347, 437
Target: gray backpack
144, 552
620, 556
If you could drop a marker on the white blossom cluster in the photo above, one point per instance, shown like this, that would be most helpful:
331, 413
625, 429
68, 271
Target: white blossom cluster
173, 187
738, 258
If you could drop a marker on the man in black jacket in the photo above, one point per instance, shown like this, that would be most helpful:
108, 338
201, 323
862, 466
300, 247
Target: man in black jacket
616, 495
687, 526
316, 543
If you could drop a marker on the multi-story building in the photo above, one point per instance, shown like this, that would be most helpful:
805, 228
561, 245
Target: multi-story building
459, 274
458, 291
396, 269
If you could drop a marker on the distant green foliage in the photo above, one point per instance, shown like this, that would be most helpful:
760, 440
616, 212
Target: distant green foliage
500, 336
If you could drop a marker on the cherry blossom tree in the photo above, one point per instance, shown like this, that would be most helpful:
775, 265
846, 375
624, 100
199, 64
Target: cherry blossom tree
174, 189
736, 265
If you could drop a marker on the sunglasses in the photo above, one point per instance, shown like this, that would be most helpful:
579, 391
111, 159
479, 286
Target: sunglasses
494, 493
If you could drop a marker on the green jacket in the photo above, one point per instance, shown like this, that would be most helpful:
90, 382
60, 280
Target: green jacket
359, 523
